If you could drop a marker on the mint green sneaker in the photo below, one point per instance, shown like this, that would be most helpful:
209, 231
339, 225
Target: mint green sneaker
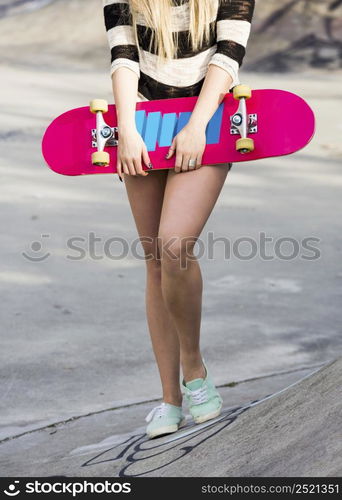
164, 419
203, 398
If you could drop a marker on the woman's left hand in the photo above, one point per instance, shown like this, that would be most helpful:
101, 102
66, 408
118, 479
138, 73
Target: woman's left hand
188, 144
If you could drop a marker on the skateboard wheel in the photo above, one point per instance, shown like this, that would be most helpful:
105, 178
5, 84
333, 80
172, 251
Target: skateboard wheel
98, 105
245, 145
241, 91
100, 158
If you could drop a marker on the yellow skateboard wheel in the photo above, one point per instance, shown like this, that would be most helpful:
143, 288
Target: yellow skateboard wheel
245, 145
241, 91
98, 105
100, 158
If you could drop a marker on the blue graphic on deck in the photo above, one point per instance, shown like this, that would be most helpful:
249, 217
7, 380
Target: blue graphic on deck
214, 126
156, 128
167, 131
182, 121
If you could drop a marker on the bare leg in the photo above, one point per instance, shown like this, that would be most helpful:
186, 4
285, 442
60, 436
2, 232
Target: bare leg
145, 195
188, 201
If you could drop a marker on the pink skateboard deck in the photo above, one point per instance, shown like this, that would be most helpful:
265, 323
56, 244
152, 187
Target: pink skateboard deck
279, 122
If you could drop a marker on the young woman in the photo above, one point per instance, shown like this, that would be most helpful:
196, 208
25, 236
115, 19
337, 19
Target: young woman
165, 49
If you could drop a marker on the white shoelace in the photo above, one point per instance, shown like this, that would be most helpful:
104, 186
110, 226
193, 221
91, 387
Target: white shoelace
158, 411
199, 395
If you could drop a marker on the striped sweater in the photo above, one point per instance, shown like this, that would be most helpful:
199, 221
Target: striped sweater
184, 75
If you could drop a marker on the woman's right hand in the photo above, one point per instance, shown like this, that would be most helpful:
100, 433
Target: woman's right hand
132, 152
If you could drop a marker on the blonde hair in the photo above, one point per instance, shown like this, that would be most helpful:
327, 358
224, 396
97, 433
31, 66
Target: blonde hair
157, 16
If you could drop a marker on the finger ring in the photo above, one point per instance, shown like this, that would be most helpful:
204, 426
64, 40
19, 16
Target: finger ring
192, 163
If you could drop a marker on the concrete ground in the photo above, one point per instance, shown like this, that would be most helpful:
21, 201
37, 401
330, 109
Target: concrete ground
74, 340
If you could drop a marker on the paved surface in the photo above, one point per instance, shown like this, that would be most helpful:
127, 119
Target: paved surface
72, 328
74, 340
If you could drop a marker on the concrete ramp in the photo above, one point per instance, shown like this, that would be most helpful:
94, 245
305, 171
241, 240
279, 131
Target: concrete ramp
293, 431
297, 432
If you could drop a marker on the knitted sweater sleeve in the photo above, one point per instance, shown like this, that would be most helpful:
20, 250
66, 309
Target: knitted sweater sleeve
233, 25
119, 29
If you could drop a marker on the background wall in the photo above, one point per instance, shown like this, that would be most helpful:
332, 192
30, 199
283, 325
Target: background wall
295, 34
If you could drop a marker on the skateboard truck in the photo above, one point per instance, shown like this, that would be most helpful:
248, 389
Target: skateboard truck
241, 123
103, 134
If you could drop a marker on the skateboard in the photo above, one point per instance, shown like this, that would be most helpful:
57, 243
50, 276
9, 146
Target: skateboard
247, 125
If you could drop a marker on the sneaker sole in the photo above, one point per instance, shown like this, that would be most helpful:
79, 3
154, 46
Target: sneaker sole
208, 416
168, 429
